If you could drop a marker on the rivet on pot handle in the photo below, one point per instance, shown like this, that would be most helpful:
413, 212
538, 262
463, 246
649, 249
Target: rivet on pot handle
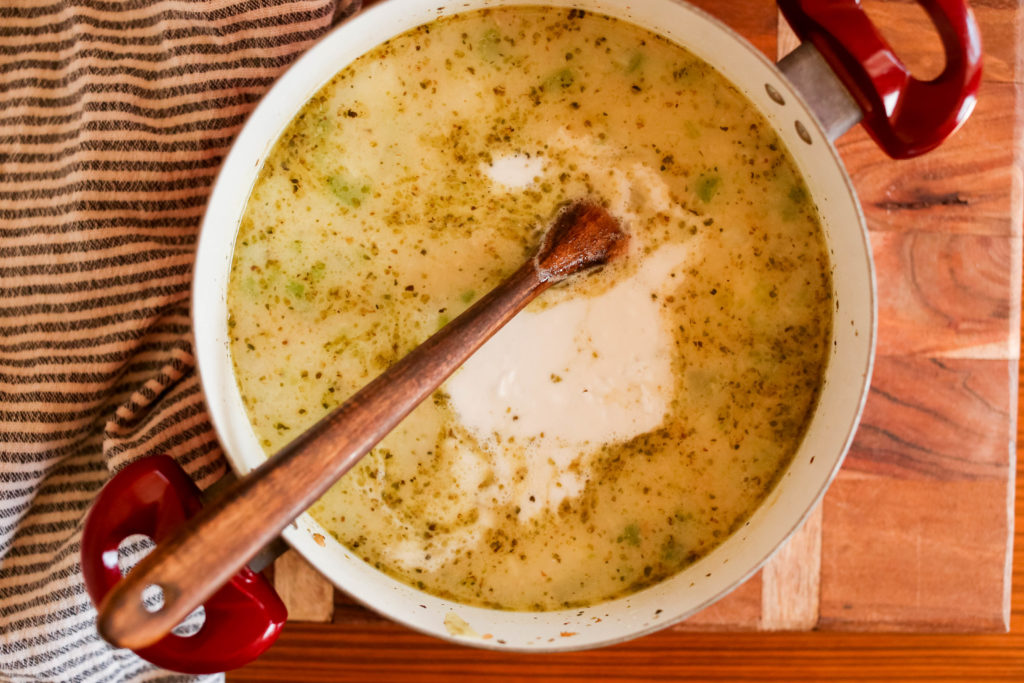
905, 115
154, 496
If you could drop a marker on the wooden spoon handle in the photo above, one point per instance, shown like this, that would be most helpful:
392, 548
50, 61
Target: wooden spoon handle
191, 566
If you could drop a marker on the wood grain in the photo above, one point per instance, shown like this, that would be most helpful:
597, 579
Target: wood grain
916, 526
947, 295
738, 611
383, 652
937, 420
971, 184
791, 581
304, 591
935, 557
903, 23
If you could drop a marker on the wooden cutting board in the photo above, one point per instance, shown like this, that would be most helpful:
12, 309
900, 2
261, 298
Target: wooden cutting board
916, 532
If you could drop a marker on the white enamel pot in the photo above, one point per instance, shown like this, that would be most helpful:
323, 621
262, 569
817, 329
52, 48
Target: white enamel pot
831, 429
806, 119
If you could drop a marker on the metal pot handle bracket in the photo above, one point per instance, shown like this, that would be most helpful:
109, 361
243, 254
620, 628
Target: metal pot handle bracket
847, 71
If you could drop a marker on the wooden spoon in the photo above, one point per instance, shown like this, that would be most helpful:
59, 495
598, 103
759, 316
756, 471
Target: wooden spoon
212, 547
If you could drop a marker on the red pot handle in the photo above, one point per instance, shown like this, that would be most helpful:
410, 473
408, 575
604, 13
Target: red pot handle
906, 116
154, 496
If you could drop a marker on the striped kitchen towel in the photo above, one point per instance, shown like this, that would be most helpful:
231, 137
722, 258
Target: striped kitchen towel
114, 118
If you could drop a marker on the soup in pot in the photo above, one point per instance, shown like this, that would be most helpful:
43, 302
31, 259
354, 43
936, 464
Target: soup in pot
627, 421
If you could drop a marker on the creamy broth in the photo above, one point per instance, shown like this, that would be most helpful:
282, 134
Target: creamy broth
629, 420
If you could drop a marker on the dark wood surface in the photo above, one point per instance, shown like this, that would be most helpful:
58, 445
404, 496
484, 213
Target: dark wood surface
913, 536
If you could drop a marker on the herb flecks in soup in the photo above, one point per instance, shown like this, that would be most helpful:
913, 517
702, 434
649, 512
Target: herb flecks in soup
625, 423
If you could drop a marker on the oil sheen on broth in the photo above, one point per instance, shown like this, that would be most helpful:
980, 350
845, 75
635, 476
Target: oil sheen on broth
625, 423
